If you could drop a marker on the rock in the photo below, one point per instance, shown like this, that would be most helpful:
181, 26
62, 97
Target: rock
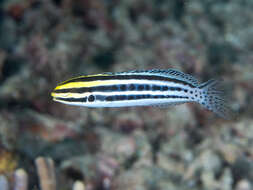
243, 184
210, 161
226, 181
95, 169
78, 185
229, 152
242, 168
128, 122
175, 119
9, 41
208, 180
144, 178
4, 184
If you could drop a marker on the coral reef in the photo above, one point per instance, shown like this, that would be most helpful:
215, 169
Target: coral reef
46, 145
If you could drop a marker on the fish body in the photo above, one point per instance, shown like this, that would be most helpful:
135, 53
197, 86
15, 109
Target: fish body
141, 88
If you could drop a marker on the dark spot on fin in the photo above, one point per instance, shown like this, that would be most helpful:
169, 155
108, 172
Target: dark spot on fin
216, 99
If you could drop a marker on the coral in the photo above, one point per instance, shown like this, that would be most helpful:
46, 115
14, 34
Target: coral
8, 162
45, 167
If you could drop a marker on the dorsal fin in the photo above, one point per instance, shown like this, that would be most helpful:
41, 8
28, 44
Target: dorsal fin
172, 73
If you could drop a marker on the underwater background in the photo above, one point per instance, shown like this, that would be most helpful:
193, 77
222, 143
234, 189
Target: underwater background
45, 145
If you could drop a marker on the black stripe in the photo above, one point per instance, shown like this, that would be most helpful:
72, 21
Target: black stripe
119, 88
143, 96
127, 77
109, 88
121, 98
73, 99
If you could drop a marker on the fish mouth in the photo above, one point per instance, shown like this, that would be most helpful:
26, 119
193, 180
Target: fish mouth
56, 99
53, 94
56, 94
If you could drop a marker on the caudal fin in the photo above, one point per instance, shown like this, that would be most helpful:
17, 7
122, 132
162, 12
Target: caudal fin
215, 99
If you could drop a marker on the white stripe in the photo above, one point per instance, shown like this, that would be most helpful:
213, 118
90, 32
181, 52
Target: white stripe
145, 82
127, 103
127, 93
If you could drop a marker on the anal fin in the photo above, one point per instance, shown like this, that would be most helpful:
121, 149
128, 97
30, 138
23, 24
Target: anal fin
166, 105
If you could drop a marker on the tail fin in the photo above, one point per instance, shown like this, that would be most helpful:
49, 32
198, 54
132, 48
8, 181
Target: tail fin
215, 99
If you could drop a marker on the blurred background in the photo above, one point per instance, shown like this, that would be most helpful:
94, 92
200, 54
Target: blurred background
46, 145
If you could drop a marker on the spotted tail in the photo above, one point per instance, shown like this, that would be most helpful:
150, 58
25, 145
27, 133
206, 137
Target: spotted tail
215, 98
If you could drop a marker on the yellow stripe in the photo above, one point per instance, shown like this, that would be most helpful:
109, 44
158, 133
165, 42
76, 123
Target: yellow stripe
73, 85
88, 84
85, 76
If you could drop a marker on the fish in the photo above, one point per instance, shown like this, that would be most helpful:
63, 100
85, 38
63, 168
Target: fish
156, 87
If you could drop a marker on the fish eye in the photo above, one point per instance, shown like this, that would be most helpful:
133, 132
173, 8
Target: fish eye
91, 98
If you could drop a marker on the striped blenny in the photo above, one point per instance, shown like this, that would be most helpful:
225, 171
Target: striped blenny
141, 88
